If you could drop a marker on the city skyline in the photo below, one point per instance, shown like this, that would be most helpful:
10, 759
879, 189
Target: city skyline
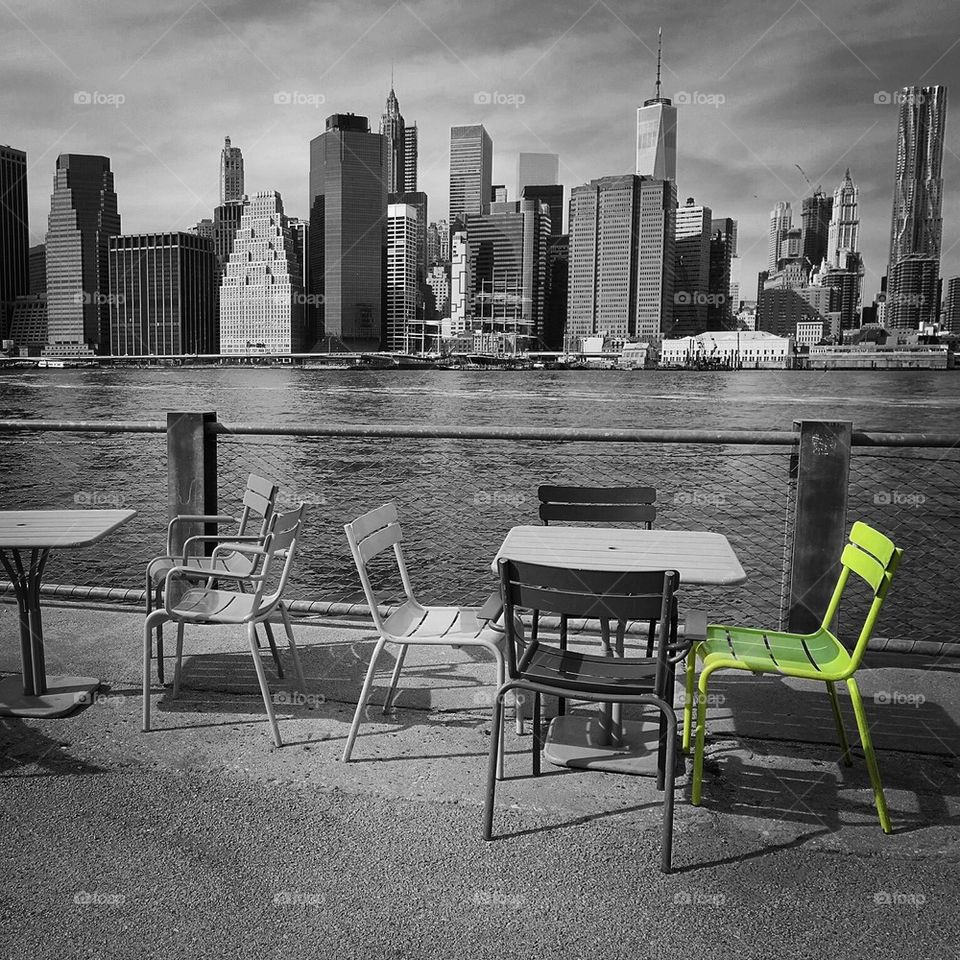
782, 74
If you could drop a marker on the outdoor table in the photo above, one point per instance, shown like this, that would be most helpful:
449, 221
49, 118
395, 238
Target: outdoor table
701, 559
33, 534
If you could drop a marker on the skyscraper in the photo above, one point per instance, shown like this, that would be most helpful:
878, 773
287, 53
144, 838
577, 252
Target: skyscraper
691, 278
461, 284
394, 142
657, 134
405, 330
844, 232
83, 216
162, 294
622, 235
724, 288
348, 230
781, 219
411, 152
471, 171
231, 173
508, 268
951, 318
261, 295
916, 223
536, 169
815, 226
552, 196
14, 233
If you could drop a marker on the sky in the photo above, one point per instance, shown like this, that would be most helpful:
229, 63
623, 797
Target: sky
769, 86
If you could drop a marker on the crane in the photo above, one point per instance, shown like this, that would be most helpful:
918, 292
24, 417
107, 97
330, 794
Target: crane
816, 189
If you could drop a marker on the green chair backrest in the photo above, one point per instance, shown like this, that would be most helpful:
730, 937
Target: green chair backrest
874, 558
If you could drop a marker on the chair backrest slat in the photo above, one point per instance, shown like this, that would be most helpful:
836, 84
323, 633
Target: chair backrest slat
598, 504
281, 544
861, 563
259, 500
362, 527
378, 542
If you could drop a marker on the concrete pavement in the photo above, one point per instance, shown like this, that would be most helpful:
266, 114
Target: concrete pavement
201, 836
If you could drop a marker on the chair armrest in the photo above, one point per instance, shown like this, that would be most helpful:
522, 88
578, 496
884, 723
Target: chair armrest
220, 538
695, 625
194, 518
492, 608
233, 546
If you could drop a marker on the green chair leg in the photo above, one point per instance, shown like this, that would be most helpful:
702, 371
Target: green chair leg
701, 737
864, 729
688, 696
838, 720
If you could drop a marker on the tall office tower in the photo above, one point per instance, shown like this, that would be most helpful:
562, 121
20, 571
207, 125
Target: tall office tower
781, 219
691, 276
261, 294
622, 235
439, 283
815, 226
791, 247
552, 195
394, 142
300, 230
406, 331
348, 231
657, 133
471, 171
14, 233
844, 232
443, 239
411, 153
231, 173
433, 245
721, 305
916, 223
417, 199
461, 306
535, 169
508, 267
83, 216
38, 269
162, 294
498, 193
558, 275
951, 315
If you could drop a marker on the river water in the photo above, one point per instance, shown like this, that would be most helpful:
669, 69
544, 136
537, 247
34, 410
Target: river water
458, 498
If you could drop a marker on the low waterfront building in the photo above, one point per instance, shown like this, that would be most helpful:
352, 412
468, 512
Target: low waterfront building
28, 326
882, 356
729, 349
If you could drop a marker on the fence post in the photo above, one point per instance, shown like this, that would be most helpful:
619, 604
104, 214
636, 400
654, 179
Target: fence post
191, 472
820, 529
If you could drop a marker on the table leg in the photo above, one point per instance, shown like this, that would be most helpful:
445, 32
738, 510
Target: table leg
30, 626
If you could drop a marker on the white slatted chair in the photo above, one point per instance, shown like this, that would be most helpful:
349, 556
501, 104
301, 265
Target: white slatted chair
412, 623
204, 605
259, 498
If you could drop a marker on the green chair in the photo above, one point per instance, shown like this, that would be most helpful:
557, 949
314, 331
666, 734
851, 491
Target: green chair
815, 656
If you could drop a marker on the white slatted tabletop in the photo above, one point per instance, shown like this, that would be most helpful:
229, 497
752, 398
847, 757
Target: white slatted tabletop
53, 529
699, 557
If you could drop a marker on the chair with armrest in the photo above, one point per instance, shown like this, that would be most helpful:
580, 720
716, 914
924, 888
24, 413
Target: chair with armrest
248, 605
259, 499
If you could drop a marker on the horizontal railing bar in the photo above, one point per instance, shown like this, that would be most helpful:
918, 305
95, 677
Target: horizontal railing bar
861, 438
581, 434
84, 426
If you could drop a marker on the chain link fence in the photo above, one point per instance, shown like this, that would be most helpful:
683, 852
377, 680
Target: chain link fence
459, 497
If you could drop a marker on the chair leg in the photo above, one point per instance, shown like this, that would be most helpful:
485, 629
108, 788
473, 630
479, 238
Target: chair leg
867, 742
294, 652
273, 648
494, 759
362, 702
498, 728
838, 720
701, 737
666, 845
394, 678
561, 701
688, 695
537, 741
152, 604
264, 686
178, 663
663, 747
150, 623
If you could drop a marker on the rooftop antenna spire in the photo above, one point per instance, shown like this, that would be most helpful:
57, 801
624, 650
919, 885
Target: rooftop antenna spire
391, 74
659, 51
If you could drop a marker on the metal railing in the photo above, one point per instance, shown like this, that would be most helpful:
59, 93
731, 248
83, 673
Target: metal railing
460, 489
